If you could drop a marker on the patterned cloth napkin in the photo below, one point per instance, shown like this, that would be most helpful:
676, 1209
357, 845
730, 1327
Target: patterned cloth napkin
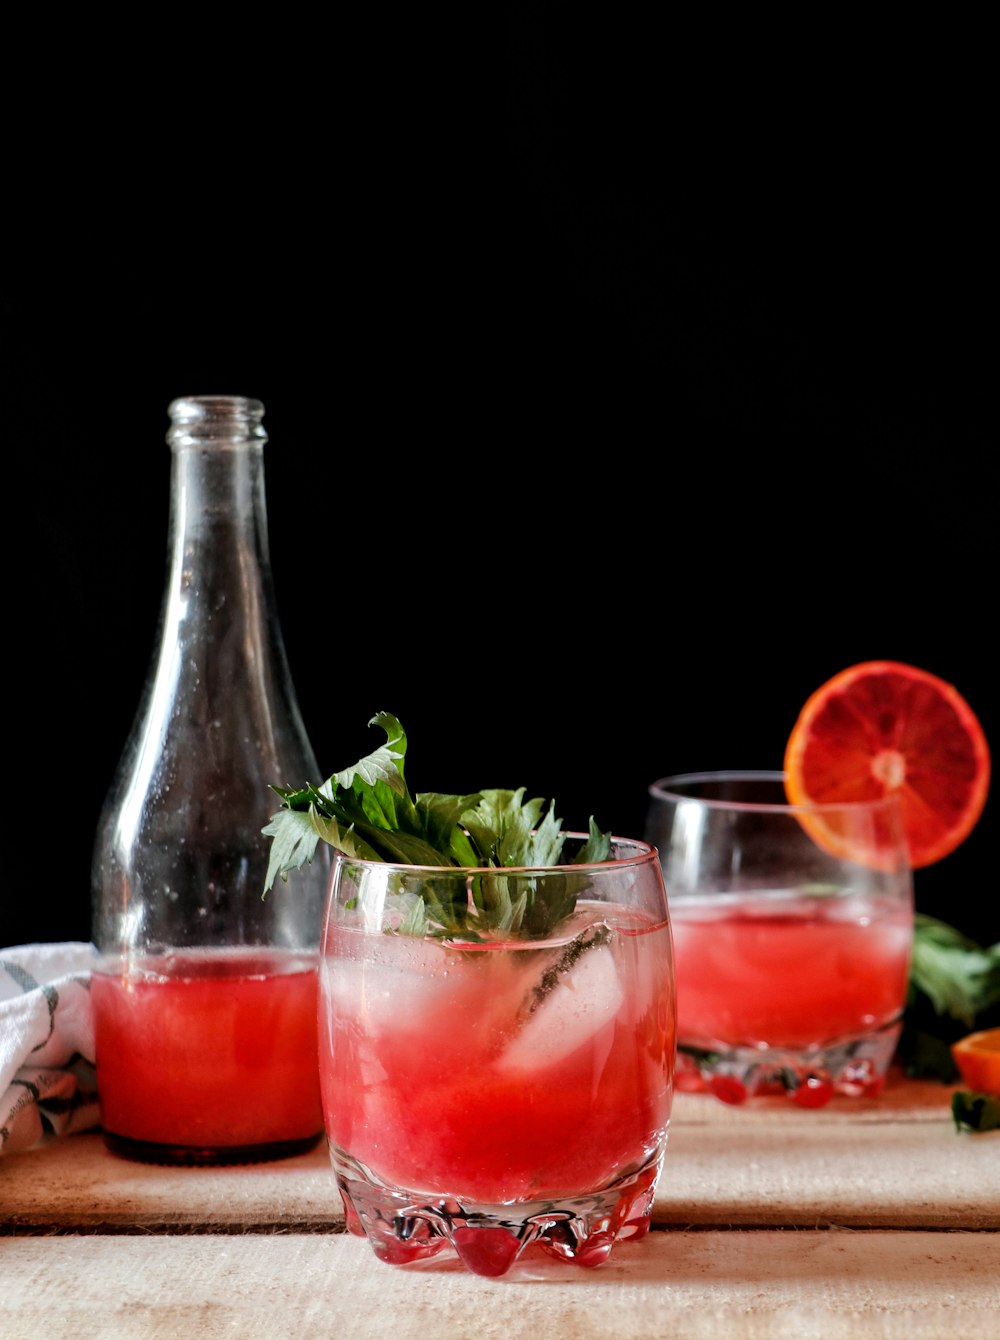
48, 1084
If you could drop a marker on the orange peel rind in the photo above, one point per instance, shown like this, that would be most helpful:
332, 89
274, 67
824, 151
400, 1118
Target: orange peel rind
977, 1057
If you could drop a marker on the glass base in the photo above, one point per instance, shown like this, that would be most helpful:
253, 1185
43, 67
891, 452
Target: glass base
488, 1239
202, 1156
810, 1076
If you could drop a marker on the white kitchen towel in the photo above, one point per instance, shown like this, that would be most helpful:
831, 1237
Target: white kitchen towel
48, 1084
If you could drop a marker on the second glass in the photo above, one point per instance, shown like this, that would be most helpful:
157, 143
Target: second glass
793, 927
485, 1092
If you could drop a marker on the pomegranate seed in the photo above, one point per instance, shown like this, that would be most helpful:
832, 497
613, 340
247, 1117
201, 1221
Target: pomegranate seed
813, 1092
728, 1089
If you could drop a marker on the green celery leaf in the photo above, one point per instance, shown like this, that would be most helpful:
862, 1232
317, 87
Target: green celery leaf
406, 849
500, 826
367, 811
544, 845
293, 844
346, 839
597, 847
382, 765
440, 815
416, 921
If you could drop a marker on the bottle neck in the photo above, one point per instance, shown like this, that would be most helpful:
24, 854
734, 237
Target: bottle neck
219, 556
218, 516
220, 637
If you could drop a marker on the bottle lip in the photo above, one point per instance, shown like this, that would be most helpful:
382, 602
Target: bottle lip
215, 419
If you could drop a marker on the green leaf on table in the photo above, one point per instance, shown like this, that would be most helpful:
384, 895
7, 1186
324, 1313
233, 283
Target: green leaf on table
959, 976
954, 988
975, 1111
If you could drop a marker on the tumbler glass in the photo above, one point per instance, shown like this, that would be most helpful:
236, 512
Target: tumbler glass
793, 927
486, 1092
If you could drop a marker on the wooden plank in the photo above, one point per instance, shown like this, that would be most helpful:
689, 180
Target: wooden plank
801, 1174
78, 1184
828, 1285
878, 1164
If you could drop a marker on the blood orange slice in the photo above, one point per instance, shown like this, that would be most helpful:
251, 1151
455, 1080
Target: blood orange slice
881, 727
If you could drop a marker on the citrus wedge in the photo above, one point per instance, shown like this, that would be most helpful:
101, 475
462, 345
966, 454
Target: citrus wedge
978, 1059
882, 727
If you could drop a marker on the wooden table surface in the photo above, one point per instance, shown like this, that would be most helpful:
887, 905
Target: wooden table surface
864, 1218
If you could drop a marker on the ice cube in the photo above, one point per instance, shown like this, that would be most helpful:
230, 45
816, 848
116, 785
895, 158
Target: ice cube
582, 1001
380, 987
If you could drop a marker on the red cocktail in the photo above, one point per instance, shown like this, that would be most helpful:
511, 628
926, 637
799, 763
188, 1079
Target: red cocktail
793, 927
784, 970
490, 1093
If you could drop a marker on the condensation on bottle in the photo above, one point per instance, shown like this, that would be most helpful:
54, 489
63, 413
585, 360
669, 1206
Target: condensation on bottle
180, 861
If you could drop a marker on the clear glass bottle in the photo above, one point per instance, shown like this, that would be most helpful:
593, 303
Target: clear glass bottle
205, 995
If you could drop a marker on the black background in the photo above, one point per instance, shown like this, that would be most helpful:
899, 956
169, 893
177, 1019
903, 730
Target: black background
623, 384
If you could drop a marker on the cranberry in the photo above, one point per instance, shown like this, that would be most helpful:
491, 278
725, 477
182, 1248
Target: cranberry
728, 1089
814, 1091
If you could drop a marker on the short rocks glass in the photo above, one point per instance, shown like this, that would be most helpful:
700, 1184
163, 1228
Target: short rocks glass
490, 1092
793, 926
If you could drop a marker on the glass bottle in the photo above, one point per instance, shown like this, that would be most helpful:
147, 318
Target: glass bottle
205, 995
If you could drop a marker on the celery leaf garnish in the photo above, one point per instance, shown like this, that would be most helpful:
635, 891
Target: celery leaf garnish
367, 811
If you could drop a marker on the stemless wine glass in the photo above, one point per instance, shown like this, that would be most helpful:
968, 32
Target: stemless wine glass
484, 1092
792, 926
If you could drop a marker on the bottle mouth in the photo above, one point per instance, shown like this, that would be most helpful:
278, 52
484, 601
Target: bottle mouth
206, 419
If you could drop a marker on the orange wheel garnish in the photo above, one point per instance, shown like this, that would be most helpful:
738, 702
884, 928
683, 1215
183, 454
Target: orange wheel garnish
978, 1059
883, 727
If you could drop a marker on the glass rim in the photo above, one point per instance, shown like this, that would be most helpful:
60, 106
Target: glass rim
642, 852
665, 788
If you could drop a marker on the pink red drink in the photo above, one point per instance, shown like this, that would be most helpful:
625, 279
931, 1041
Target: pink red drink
439, 1074
209, 1056
787, 971
793, 926
494, 1094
